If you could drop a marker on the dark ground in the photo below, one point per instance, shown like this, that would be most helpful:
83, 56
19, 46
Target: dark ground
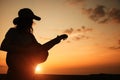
73, 77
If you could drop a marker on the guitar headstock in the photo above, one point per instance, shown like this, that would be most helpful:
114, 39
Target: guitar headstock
63, 36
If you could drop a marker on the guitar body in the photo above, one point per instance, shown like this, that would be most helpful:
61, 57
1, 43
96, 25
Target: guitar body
41, 56
37, 55
41, 51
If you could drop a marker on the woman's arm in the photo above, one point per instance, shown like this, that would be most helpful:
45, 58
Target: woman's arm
54, 41
48, 45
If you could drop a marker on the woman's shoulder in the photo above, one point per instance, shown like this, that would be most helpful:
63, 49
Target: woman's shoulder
11, 31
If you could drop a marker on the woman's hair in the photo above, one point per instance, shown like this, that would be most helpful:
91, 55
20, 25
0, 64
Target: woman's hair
24, 20
24, 24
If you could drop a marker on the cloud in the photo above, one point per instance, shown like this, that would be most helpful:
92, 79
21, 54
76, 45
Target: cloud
87, 11
82, 29
116, 47
104, 20
79, 37
78, 33
75, 2
68, 31
101, 14
114, 15
97, 13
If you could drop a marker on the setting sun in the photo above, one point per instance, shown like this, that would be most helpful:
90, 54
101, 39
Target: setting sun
38, 69
92, 26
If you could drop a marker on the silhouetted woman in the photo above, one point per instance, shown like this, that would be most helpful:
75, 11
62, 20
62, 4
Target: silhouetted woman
23, 51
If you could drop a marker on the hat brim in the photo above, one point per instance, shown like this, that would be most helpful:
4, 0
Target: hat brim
36, 18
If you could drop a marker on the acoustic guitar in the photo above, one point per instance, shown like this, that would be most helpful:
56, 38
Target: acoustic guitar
42, 54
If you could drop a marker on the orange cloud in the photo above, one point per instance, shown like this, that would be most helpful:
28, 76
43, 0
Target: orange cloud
116, 47
101, 14
78, 33
114, 15
75, 2
68, 31
96, 13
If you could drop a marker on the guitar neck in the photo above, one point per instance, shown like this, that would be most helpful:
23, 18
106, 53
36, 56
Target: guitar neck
47, 46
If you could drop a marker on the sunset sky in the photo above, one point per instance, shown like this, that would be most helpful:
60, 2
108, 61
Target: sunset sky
93, 27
